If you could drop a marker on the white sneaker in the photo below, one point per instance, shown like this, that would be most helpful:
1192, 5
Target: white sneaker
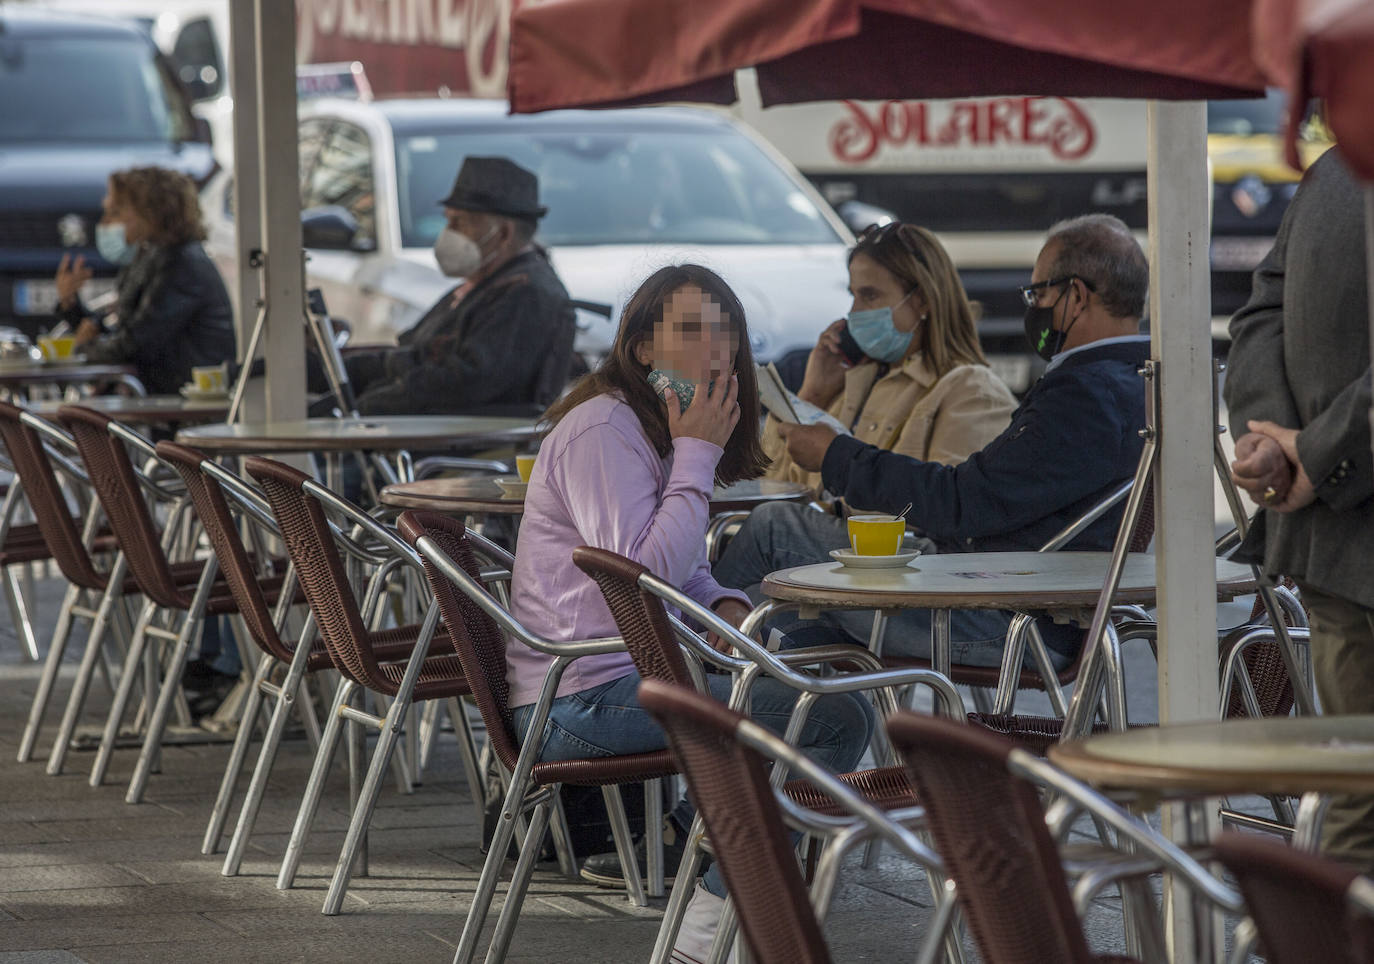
698, 930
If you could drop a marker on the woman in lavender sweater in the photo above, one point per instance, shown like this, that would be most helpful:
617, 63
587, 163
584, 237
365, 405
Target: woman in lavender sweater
630, 469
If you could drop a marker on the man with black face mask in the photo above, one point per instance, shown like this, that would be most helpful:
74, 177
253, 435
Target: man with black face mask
500, 342
1073, 439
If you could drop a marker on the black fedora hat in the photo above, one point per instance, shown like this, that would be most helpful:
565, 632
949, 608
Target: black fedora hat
495, 185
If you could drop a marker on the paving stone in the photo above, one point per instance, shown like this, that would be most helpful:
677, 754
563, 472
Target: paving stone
418, 949
78, 931
65, 877
39, 957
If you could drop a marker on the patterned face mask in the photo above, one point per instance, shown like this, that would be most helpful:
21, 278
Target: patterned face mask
685, 391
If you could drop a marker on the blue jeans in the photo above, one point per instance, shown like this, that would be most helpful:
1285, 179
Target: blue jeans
779, 535
607, 720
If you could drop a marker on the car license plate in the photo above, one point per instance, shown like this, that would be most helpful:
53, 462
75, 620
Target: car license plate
1239, 254
39, 297
1012, 369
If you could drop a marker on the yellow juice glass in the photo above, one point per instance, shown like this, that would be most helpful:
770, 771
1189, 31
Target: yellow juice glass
524, 464
876, 535
58, 348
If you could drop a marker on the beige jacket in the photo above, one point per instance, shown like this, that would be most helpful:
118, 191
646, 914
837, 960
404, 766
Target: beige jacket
911, 412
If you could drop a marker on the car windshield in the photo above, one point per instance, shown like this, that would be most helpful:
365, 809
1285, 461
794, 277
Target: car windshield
85, 89
616, 186
1246, 118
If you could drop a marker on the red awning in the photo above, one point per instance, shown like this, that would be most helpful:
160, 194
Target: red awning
575, 53
1324, 48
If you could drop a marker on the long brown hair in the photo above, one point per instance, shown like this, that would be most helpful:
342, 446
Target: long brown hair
949, 335
166, 200
624, 375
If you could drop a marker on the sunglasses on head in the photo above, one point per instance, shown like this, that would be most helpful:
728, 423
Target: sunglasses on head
876, 235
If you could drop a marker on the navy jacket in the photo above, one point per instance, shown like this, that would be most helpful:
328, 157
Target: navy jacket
1074, 437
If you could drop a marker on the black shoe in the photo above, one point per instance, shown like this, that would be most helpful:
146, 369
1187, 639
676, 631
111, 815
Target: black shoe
206, 701
604, 869
199, 676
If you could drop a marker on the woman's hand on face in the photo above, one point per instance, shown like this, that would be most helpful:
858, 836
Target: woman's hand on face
71, 275
825, 368
711, 417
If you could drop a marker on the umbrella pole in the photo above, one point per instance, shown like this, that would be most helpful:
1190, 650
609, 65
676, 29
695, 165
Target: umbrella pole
1369, 274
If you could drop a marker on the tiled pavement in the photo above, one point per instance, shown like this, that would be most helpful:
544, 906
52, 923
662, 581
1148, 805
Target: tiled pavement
87, 877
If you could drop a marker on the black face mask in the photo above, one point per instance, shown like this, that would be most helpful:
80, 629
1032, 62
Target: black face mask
1040, 332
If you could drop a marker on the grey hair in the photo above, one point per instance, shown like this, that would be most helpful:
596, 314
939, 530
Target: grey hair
1101, 250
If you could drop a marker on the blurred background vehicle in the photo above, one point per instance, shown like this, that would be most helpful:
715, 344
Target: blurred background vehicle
80, 97
627, 192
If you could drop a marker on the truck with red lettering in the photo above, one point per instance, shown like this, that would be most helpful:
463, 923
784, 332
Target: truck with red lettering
988, 175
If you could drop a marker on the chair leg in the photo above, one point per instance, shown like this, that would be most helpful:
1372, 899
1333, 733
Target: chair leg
724, 941
234, 767
562, 840
682, 893
653, 836
94, 640
624, 844
19, 610
496, 859
171, 688
365, 804
520, 882
314, 787
56, 650
467, 749
130, 673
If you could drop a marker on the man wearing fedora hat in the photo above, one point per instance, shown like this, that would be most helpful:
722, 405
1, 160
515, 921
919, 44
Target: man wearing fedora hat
500, 342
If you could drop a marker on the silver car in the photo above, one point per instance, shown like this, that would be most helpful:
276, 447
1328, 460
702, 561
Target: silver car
627, 192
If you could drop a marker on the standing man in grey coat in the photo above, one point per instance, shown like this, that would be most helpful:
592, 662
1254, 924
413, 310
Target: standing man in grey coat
1299, 397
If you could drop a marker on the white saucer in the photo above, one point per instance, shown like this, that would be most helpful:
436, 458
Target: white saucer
852, 560
511, 486
191, 393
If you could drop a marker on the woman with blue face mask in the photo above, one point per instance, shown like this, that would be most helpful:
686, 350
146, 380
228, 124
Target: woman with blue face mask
903, 370
171, 311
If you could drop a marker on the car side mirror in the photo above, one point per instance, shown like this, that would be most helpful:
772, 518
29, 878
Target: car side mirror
203, 133
329, 228
859, 216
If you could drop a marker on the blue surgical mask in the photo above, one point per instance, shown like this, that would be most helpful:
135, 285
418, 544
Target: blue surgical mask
876, 334
109, 241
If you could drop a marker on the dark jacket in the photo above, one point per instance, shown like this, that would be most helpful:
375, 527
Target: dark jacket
173, 315
1300, 357
1073, 438
505, 347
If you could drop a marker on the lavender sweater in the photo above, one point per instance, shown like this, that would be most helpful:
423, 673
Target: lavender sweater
599, 482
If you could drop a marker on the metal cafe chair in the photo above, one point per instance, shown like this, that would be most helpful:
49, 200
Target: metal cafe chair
660, 647
984, 813
1303, 907
180, 592
726, 758
44, 456
478, 626
430, 672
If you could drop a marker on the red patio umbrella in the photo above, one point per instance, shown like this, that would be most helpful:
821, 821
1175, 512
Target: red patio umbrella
567, 53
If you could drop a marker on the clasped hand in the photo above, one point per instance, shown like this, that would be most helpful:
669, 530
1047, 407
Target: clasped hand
1267, 467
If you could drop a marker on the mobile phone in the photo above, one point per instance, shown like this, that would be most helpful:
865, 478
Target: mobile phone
849, 347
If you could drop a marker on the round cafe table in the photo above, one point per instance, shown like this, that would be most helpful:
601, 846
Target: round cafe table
1188, 762
143, 409
22, 373
372, 433
1048, 582
482, 496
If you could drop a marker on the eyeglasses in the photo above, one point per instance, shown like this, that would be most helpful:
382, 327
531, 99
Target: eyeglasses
1030, 294
876, 234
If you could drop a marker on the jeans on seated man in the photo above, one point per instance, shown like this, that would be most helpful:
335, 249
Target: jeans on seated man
1072, 440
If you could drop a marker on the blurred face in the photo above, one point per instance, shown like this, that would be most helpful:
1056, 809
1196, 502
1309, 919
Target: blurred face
695, 340
873, 286
117, 209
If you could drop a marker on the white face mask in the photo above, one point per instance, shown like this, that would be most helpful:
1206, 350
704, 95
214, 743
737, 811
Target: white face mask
458, 255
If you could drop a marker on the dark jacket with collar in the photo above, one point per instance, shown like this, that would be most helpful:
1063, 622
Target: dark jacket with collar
173, 315
1073, 438
505, 347
1300, 357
